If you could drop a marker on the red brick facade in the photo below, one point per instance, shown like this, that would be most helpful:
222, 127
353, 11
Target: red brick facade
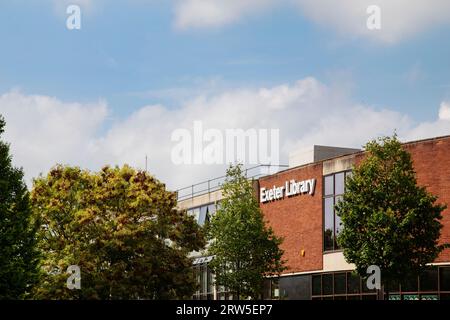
299, 219
432, 164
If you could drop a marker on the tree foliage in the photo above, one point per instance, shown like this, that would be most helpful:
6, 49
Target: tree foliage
121, 227
389, 220
18, 256
246, 250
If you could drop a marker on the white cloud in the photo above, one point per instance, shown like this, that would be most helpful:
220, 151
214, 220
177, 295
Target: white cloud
444, 111
216, 13
399, 19
44, 131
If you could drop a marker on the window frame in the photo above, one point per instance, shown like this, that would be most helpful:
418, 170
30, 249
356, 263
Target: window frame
334, 196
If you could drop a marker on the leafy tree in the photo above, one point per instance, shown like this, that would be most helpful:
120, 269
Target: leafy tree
245, 249
18, 255
389, 220
121, 227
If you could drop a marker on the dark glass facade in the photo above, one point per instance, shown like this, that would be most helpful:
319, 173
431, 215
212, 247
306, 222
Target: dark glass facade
333, 191
432, 284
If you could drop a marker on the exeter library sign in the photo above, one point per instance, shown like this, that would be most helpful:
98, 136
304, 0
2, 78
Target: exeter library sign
291, 188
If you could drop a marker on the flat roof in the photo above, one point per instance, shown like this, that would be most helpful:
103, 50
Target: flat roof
337, 157
349, 154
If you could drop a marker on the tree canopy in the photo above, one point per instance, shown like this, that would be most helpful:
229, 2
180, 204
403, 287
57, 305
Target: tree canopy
389, 220
121, 227
18, 256
245, 249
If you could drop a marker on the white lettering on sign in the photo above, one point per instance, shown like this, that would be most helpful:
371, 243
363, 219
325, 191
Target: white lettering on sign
290, 189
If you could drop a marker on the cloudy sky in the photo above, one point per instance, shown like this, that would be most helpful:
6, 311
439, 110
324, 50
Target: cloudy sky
115, 90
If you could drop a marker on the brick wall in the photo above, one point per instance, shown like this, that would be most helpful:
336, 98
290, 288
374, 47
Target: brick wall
297, 219
431, 160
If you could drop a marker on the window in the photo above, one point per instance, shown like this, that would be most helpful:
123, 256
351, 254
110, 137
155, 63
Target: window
337, 221
429, 280
349, 285
205, 283
203, 213
340, 283
410, 285
194, 213
317, 285
334, 189
445, 279
339, 179
329, 224
353, 286
329, 185
327, 284
394, 286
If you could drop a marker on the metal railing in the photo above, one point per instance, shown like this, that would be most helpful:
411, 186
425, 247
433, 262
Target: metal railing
215, 184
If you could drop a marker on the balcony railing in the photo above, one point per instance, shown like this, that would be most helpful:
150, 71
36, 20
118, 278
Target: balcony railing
215, 184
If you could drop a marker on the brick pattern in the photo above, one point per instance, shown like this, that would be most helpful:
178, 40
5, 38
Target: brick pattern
432, 164
299, 219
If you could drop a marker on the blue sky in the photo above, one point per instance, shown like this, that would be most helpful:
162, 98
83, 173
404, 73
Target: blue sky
131, 54
127, 49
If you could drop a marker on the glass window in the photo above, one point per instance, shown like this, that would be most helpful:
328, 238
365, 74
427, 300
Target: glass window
410, 284
340, 283
195, 213
202, 216
338, 221
445, 279
275, 290
334, 188
212, 210
353, 283
394, 286
327, 284
210, 281
208, 217
429, 280
317, 285
329, 185
339, 183
203, 281
329, 224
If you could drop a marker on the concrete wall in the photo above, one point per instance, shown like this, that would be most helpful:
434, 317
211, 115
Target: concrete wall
200, 200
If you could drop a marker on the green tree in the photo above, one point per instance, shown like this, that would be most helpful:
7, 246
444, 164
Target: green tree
121, 227
246, 250
18, 255
389, 220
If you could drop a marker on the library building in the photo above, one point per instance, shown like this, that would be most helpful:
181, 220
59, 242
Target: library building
298, 203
